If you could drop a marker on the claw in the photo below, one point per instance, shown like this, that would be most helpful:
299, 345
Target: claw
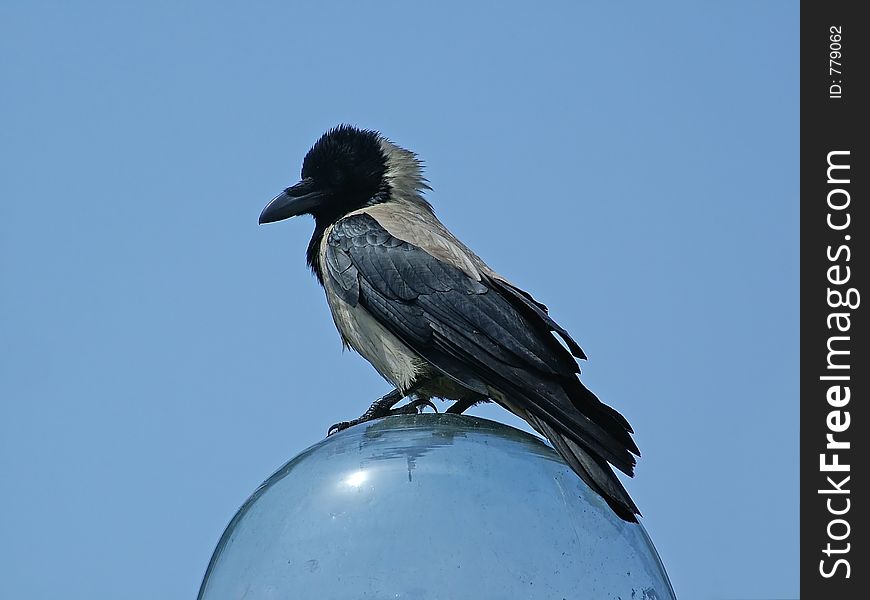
421, 403
414, 407
336, 427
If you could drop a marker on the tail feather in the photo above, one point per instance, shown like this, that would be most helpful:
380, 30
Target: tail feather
584, 431
588, 403
594, 471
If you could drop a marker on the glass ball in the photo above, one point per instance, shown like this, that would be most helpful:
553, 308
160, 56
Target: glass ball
431, 506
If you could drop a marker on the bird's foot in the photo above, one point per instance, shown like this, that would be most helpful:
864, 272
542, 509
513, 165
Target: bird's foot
460, 406
414, 407
383, 407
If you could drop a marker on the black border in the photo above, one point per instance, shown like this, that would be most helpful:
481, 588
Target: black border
833, 124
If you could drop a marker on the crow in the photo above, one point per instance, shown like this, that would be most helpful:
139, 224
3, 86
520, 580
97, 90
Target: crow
432, 318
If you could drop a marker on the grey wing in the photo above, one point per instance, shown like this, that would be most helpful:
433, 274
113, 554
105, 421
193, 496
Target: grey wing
485, 335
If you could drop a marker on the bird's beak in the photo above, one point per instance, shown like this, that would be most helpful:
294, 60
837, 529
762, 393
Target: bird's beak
297, 200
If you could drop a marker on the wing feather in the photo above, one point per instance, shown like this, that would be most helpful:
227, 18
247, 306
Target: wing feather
484, 334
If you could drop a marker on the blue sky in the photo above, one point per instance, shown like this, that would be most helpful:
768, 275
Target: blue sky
161, 354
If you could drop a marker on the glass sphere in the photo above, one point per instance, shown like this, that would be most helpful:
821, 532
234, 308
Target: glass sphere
431, 506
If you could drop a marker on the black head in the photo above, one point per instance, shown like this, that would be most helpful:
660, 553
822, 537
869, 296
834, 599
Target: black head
342, 172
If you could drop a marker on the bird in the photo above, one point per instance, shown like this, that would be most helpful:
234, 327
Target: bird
433, 319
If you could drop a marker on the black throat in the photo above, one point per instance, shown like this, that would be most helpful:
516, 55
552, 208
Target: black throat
312, 255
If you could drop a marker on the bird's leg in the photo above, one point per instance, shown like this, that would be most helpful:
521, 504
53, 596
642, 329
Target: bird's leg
383, 407
460, 406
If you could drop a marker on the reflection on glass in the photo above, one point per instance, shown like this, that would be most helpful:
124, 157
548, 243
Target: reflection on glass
431, 506
355, 479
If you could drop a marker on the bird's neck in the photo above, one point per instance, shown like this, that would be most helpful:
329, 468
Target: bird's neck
313, 253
